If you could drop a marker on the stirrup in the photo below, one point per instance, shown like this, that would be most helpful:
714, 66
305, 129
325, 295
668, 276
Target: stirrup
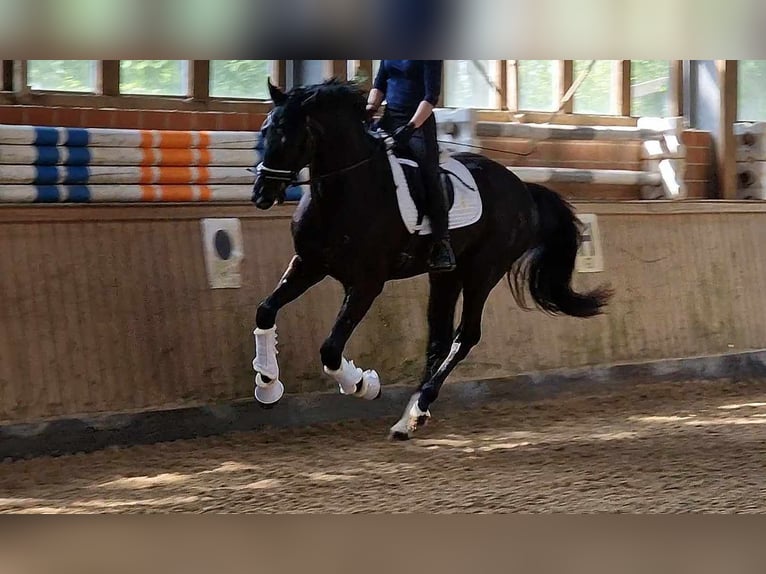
442, 257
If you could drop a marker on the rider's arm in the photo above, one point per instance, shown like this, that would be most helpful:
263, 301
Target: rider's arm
375, 99
432, 78
378, 92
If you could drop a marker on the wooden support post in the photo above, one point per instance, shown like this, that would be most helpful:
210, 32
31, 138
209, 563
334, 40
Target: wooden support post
726, 149
566, 75
200, 80
279, 73
109, 80
6, 75
676, 95
20, 84
336, 69
511, 85
623, 84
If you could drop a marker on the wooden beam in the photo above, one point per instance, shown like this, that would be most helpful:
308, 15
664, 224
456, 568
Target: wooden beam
6, 75
500, 72
279, 73
109, 80
623, 85
440, 102
511, 85
566, 79
20, 84
676, 91
336, 69
133, 102
726, 150
566, 119
199, 81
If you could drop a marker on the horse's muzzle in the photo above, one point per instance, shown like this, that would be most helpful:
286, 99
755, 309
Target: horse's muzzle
265, 196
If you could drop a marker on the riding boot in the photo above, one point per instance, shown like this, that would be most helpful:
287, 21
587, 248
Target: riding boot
442, 258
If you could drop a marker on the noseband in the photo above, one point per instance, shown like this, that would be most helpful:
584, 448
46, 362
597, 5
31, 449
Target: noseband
281, 175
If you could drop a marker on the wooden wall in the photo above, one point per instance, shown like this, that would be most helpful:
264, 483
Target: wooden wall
107, 308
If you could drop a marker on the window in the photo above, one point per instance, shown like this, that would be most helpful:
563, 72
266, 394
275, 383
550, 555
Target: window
751, 91
650, 88
154, 77
240, 79
62, 75
539, 85
596, 95
470, 83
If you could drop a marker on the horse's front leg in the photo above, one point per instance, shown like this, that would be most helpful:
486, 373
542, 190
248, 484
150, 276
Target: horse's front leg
297, 279
351, 379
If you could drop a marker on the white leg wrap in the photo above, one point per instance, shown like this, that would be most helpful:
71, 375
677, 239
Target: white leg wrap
347, 377
268, 393
265, 361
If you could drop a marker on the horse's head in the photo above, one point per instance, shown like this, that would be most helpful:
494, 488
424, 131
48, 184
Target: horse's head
288, 143
292, 130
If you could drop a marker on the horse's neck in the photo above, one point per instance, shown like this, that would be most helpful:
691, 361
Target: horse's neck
339, 190
337, 151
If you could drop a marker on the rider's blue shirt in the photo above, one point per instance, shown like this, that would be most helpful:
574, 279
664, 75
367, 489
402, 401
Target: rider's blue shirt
406, 83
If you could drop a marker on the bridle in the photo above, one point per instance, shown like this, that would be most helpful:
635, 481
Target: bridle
290, 177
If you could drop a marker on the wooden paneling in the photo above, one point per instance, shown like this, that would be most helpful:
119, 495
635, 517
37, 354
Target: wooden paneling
108, 309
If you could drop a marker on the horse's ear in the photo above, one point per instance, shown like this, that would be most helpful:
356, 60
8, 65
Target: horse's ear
277, 95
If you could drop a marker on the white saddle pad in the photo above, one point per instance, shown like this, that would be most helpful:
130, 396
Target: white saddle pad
466, 209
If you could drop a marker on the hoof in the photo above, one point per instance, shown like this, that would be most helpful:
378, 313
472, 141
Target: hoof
369, 388
398, 436
268, 394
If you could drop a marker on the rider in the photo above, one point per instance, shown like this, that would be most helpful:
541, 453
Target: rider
411, 89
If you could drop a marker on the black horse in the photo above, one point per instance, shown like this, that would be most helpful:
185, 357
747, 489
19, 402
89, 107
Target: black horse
349, 227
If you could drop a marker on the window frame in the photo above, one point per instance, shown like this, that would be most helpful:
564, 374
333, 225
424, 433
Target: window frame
507, 72
14, 89
108, 93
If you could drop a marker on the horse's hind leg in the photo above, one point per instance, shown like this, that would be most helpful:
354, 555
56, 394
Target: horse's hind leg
297, 279
444, 292
479, 280
442, 300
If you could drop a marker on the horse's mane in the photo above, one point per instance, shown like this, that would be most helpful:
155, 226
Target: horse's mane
332, 94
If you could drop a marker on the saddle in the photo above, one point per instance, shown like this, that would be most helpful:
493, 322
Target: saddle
417, 189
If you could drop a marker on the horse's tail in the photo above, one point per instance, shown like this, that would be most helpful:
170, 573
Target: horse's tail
548, 266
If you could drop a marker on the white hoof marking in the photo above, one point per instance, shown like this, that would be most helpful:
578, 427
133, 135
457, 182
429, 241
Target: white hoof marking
403, 425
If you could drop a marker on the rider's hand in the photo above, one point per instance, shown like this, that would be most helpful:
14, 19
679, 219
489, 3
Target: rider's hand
371, 111
403, 134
